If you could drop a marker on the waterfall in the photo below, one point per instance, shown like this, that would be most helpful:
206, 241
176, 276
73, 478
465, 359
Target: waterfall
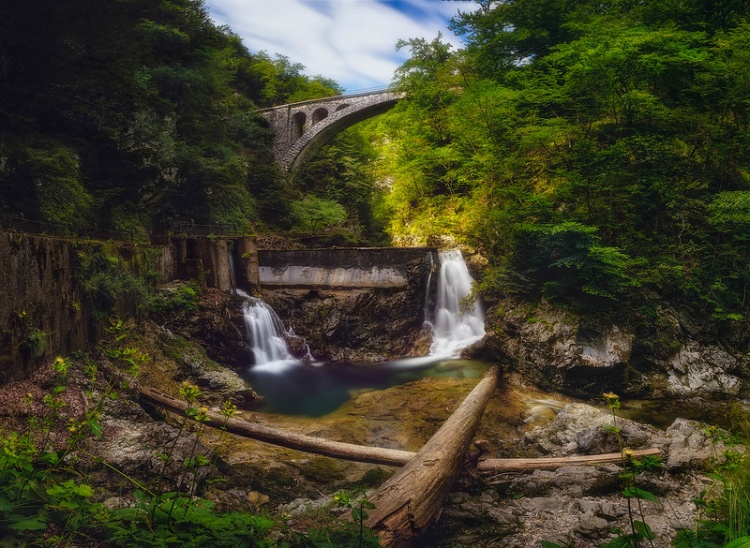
457, 323
266, 333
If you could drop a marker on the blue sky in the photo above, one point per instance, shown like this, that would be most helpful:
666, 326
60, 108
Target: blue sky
349, 41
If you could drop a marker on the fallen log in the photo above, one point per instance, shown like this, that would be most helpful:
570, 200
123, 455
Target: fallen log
552, 463
368, 454
412, 499
291, 440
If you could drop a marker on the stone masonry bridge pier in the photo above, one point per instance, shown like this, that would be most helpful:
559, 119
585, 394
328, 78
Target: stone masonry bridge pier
301, 129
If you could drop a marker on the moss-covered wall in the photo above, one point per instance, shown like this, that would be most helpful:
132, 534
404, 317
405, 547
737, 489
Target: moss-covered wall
56, 295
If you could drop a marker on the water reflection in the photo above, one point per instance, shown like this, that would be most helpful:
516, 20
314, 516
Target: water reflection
294, 388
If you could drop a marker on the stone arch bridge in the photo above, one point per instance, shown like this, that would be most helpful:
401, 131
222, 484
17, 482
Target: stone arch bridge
301, 129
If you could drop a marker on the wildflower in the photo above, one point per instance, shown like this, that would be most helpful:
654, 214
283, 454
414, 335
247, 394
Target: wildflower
189, 392
228, 409
61, 365
612, 400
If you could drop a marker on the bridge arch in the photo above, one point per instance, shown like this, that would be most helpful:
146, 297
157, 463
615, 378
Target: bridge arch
301, 129
319, 114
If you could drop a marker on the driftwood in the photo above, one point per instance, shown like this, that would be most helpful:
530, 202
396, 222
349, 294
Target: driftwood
412, 499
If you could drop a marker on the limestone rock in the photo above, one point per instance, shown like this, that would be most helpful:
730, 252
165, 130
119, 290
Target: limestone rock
584, 356
702, 371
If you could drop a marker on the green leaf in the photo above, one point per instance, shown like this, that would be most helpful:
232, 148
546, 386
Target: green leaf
96, 428
33, 523
643, 530
619, 542
638, 493
743, 542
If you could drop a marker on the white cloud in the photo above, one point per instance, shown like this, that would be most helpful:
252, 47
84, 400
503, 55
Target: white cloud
350, 41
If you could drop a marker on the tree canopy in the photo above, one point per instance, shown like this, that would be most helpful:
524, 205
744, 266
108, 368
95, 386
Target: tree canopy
590, 150
137, 116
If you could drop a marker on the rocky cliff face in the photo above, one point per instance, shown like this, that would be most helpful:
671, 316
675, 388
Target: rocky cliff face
583, 356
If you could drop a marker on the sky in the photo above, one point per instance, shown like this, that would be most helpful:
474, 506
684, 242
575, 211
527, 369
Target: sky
352, 42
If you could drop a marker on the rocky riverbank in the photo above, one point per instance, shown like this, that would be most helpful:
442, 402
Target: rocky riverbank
572, 506
675, 355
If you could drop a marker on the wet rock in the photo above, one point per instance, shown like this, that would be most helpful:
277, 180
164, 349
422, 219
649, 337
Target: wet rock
357, 325
582, 429
695, 446
218, 324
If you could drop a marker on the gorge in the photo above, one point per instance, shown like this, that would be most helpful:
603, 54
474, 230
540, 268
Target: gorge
185, 218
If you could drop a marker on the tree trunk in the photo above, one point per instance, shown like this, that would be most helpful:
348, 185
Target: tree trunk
412, 499
553, 463
310, 444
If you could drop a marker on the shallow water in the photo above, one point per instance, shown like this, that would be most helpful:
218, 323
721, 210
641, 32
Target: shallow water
294, 388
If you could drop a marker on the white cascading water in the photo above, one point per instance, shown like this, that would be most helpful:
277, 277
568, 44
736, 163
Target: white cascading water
266, 333
457, 323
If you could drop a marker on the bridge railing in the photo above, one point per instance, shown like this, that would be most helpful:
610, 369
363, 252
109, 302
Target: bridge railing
358, 93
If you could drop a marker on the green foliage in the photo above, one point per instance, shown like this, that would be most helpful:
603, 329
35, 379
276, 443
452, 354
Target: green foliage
350, 534
105, 280
615, 131
567, 261
174, 300
343, 171
724, 508
173, 519
315, 214
150, 106
44, 495
34, 342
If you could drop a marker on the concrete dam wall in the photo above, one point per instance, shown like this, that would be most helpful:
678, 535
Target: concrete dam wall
345, 268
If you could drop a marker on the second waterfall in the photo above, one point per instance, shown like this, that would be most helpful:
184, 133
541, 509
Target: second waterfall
458, 318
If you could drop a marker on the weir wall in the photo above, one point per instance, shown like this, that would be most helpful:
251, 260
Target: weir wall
344, 268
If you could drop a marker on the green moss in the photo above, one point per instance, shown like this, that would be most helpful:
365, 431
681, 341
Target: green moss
116, 279
35, 342
322, 470
374, 477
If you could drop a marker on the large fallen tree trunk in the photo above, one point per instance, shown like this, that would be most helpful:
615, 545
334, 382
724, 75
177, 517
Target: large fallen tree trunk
412, 499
